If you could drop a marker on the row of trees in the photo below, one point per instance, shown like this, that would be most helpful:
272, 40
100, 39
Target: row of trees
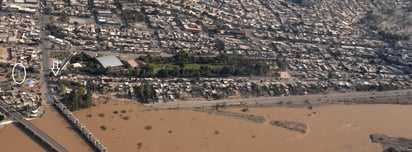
144, 93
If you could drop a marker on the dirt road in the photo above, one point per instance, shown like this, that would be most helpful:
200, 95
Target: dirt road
315, 99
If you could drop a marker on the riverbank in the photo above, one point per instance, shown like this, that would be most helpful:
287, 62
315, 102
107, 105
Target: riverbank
383, 97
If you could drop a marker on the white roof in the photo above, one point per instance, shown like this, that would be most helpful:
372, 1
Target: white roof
76, 65
31, 1
109, 61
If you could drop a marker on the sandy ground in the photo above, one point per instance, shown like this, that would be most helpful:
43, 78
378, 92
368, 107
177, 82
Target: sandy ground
3, 54
285, 75
81, 20
133, 63
332, 128
2, 78
60, 130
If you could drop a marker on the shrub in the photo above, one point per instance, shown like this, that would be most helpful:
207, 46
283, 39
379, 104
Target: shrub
139, 145
245, 109
101, 115
115, 112
126, 118
148, 127
103, 127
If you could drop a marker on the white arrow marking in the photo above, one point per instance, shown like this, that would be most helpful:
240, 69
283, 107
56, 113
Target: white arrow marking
55, 69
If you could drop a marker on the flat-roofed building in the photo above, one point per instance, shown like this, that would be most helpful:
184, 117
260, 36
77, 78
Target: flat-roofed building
31, 1
109, 61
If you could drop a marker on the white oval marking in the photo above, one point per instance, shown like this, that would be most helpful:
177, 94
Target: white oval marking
12, 73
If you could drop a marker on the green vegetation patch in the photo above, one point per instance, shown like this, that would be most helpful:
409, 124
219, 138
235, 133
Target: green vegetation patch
55, 30
198, 66
77, 99
133, 15
378, 20
192, 66
59, 54
184, 64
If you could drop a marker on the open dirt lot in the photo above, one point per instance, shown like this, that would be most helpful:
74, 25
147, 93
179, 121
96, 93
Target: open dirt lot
133, 63
2, 78
3, 54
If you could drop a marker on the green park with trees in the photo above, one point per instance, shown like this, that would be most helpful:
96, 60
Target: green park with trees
183, 64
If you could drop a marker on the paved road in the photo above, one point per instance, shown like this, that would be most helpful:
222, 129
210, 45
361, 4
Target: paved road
314, 99
11, 113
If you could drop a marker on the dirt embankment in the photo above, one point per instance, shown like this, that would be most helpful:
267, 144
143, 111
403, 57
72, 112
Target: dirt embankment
295, 126
247, 117
400, 99
392, 144
308, 101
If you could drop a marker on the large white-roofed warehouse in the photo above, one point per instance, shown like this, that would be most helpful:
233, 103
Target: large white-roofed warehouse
109, 61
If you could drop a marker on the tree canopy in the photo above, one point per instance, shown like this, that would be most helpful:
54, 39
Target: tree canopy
78, 99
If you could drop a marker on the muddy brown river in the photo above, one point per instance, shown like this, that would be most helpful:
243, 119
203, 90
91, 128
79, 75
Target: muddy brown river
331, 128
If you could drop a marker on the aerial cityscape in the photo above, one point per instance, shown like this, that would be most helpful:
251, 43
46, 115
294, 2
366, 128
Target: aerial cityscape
206, 75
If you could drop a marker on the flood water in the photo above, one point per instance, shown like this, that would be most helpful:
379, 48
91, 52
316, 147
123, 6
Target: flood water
12, 138
331, 128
